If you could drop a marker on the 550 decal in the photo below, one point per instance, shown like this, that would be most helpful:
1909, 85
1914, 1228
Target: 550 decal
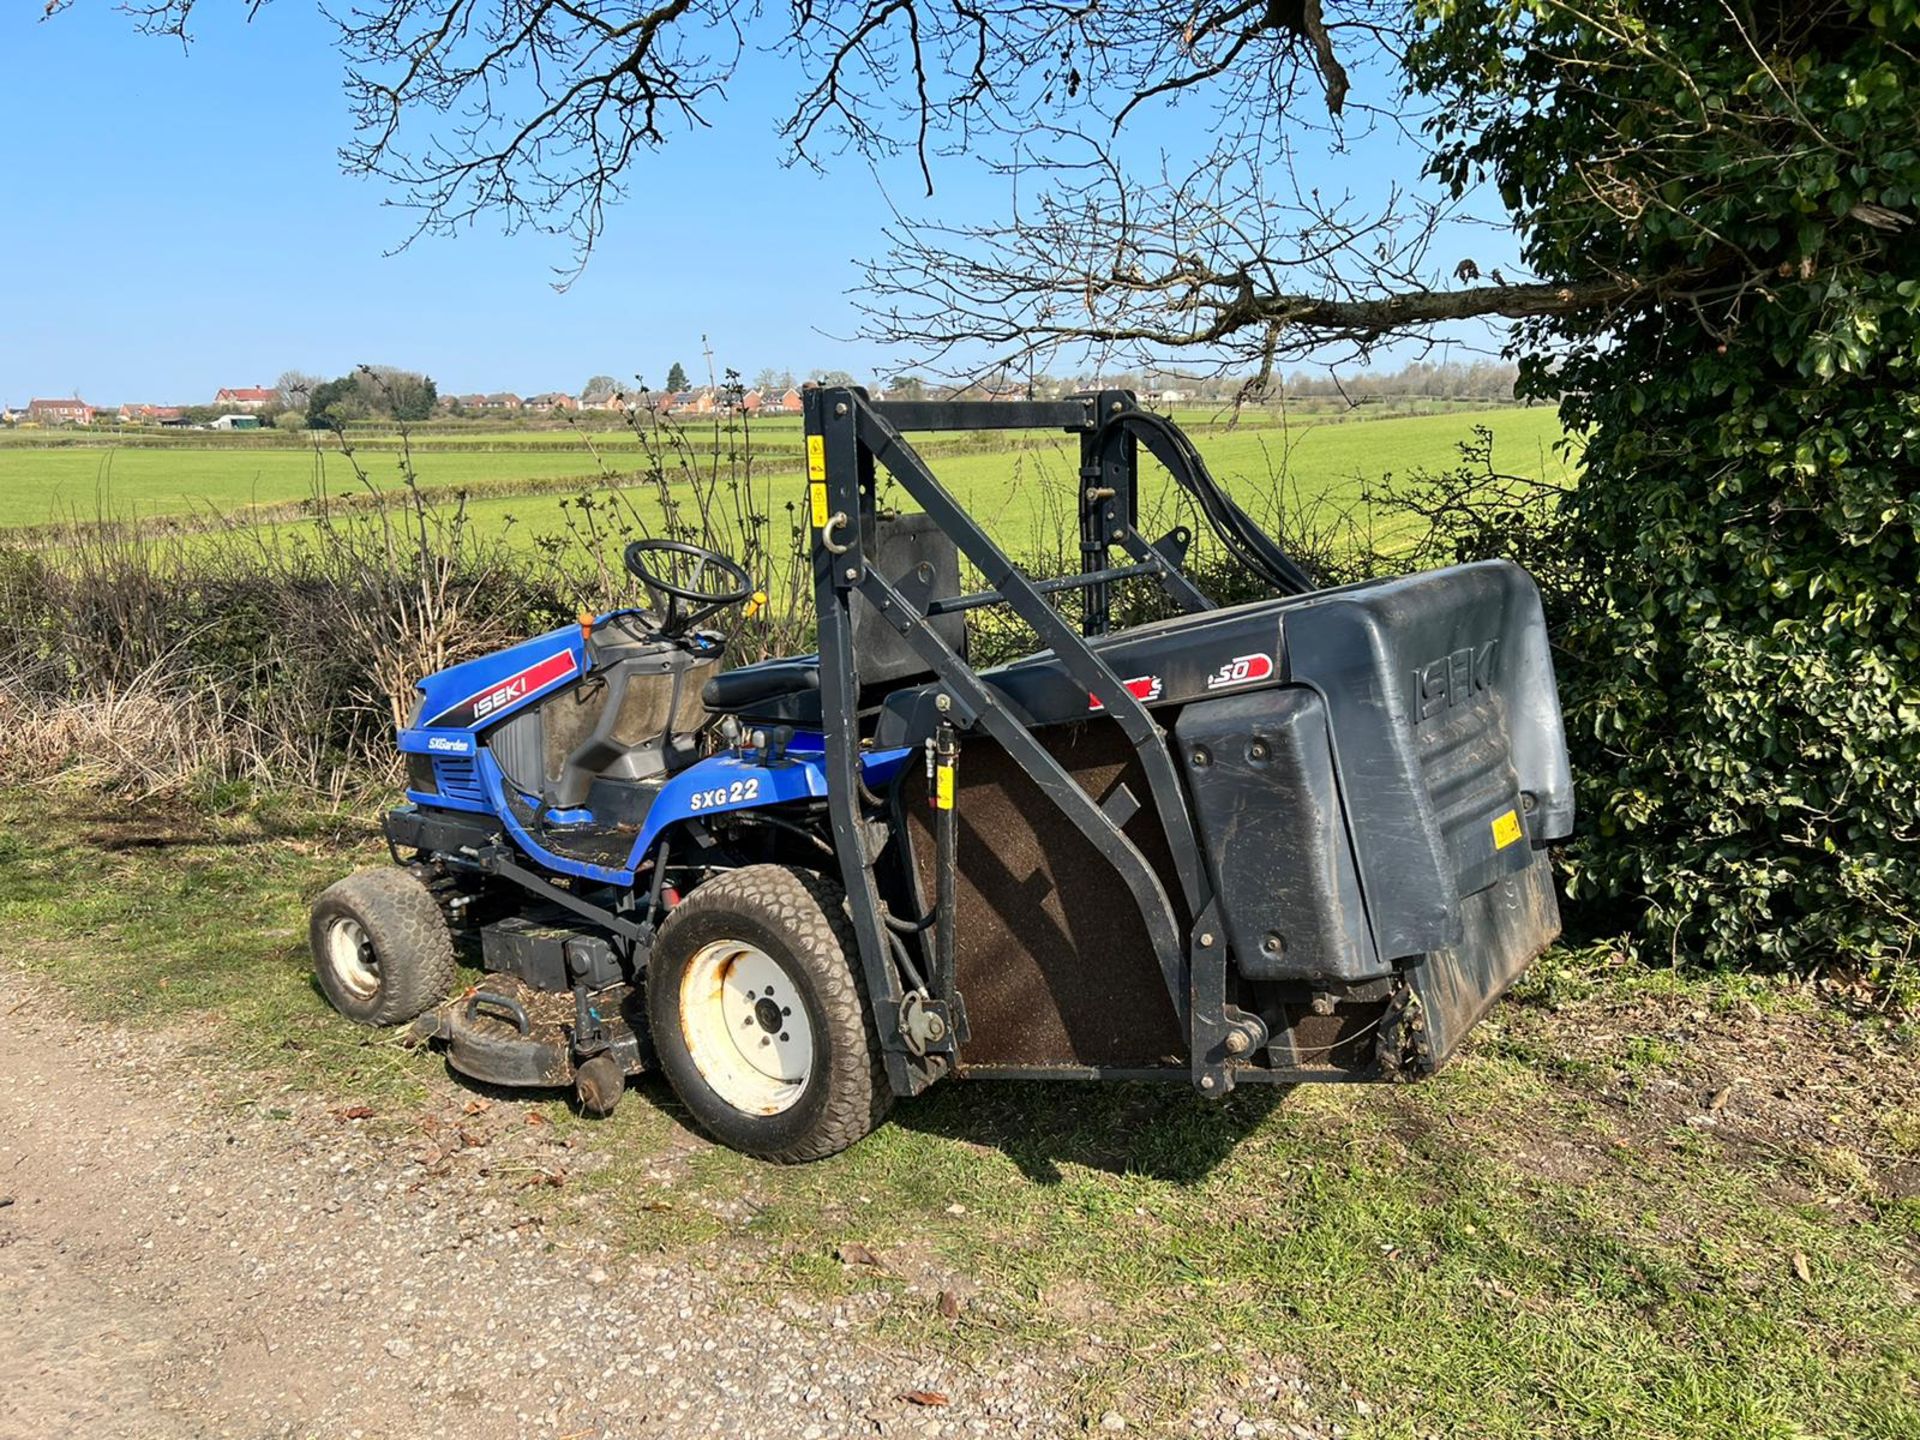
1241, 670
740, 792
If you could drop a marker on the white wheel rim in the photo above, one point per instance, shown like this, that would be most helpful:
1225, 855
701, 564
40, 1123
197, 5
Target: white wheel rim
746, 1027
351, 958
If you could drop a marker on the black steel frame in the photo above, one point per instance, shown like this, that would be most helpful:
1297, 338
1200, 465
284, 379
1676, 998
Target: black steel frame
848, 435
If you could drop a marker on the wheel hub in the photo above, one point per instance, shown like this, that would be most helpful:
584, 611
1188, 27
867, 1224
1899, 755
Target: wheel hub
746, 1027
350, 953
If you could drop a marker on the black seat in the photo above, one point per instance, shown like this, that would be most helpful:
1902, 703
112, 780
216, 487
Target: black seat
769, 680
921, 560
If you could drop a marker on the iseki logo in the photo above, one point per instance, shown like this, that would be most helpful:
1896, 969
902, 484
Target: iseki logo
505, 695
1452, 680
508, 692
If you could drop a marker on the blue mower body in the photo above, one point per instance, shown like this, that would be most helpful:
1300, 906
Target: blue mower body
459, 706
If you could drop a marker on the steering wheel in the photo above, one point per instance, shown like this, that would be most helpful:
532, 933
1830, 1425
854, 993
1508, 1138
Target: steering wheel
680, 578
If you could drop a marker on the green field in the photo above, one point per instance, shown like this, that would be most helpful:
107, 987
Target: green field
1013, 479
40, 485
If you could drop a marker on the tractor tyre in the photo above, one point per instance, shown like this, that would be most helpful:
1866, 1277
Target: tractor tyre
381, 950
761, 1022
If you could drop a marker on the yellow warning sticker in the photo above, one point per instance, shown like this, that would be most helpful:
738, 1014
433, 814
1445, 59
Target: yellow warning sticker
816, 458
943, 787
1506, 830
818, 497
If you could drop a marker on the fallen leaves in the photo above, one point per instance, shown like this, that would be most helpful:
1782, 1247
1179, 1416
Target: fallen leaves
852, 1252
925, 1398
1802, 1268
948, 1305
353, 1112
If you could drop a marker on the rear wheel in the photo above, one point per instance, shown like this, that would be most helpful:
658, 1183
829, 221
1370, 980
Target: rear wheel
380, 947
762, 1026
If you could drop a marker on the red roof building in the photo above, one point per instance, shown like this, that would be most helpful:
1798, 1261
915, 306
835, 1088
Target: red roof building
60, 412
247, 398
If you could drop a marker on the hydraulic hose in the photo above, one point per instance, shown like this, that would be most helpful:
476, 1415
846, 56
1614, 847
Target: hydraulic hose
1238, 531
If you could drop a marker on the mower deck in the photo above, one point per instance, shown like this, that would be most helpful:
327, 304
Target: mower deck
507, 1032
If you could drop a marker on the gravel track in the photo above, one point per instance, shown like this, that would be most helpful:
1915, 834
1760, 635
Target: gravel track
173, 1265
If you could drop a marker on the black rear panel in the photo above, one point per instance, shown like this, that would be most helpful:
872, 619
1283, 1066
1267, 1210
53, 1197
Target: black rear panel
1260, 770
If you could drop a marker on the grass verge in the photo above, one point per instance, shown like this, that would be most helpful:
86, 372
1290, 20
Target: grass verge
1640, 1206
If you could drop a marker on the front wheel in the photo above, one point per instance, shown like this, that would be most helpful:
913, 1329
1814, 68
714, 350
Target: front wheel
761, 1024
381, 950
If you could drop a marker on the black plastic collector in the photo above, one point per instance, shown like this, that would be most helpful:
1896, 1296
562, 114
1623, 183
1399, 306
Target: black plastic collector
1324, 815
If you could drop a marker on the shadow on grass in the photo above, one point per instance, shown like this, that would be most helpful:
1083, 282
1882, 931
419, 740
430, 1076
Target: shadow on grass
1160, 1131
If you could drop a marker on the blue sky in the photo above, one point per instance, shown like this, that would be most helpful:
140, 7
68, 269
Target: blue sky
177, 222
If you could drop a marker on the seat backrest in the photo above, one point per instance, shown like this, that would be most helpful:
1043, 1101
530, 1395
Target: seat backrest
898, 546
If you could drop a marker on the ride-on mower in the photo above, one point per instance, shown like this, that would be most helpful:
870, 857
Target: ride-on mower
1296, 840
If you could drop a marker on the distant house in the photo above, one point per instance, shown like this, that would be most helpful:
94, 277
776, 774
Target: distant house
504, 400
599, 400
690, 402
473, 402
148, 414
772, 402
245, 400
553, 400
60, 412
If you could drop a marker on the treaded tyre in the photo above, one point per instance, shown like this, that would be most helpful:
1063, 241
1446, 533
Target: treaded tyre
380, 946
762, 1026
